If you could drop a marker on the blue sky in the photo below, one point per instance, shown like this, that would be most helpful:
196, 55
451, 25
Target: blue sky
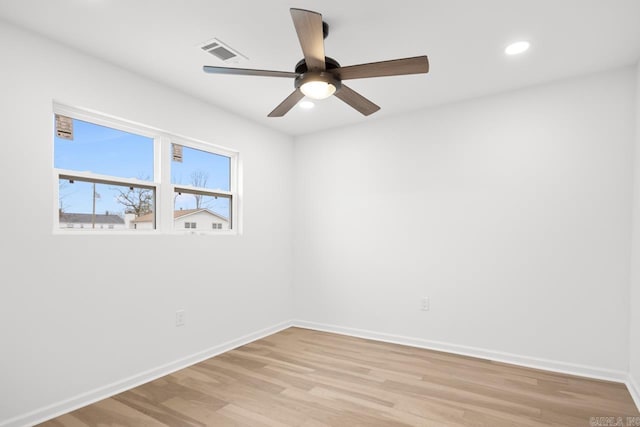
112, 152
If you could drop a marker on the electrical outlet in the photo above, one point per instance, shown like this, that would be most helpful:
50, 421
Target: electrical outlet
424, 304
180, 318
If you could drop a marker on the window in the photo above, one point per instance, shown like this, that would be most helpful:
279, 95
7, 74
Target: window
106, 151
202, 183
200, 169
82, 200
113, 175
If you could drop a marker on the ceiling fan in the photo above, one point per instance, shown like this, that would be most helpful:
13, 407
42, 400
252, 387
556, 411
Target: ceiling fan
318, 76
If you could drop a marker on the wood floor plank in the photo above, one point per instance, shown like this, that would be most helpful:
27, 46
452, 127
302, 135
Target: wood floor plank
306, 378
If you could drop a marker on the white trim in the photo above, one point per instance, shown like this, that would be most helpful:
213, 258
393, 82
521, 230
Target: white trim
236, 202
498, 356
92, 396
634, 390
55, 213
204, 191
108, 179
164, 203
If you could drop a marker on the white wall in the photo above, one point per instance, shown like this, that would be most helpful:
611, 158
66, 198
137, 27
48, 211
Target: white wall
82, 312
512, 213
634, 335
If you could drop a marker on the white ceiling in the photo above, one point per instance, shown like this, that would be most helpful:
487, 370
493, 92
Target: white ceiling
464, 40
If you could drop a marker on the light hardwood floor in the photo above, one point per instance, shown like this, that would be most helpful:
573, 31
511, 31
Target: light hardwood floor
300, 377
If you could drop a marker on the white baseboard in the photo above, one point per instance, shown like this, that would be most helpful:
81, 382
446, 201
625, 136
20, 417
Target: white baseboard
634, 390
95, 395
498, 356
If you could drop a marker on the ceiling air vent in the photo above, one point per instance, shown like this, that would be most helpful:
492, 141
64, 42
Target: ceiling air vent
223, 52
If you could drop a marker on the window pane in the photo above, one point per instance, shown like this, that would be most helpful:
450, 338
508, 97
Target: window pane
201, 210
105, 151
89, 205
202, 169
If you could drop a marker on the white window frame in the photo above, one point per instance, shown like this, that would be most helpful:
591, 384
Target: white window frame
233, 183
161, 180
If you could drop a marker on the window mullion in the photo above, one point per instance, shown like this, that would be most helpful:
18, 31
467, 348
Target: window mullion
236, 190
165, 203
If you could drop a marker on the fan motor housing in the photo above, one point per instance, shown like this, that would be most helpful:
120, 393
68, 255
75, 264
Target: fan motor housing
330, 64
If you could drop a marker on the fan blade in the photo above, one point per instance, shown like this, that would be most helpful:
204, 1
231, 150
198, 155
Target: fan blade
286, 105
357, 101
247, 72
309, 28
395, 67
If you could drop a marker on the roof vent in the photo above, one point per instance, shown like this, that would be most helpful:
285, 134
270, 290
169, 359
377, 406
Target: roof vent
223, 52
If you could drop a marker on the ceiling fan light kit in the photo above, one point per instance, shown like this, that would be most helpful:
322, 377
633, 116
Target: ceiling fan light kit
317, 85
319, 77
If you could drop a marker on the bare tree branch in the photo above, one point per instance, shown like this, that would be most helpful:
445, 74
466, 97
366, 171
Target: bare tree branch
199, 179
136, 200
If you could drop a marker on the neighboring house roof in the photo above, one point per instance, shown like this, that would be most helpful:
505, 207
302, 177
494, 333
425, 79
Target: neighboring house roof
179, 214
144, 218
84, 218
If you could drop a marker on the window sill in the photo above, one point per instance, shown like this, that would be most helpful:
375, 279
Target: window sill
80, 232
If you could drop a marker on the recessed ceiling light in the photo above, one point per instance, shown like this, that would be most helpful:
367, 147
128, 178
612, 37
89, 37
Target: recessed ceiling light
306, 105
517, 47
